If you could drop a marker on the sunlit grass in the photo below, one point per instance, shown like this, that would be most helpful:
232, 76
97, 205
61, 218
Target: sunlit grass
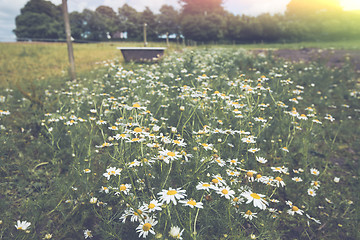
26, 62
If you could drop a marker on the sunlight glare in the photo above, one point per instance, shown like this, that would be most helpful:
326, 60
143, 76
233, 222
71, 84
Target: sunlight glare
350, 4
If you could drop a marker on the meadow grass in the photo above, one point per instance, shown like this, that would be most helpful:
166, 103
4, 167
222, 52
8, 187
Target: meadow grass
25, 62
206, 144
344, 45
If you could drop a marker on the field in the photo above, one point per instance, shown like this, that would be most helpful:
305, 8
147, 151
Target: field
213, 142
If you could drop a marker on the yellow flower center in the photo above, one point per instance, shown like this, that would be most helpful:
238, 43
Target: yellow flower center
151, 206
248, 212
191, 202
204, 145
146, 227
122, 187
137, 212
20, 228
215, 180
225, 191
254, 195
176, 141
136, 105
258, 176
138, 130
235, 199
250, 174
206, 185
171, 192
278, 179
135, 139
295, 208
171, 154
316, 183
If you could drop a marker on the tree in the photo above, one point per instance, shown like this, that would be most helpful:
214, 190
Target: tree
233, 27
77, 23
148, 17
40, 19
203, 20
168, 20
108, 16
130, 21
201, 6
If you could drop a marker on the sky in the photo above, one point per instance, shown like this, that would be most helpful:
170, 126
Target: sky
10, 9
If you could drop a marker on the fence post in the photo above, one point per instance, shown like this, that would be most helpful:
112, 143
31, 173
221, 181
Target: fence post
145, 42
68, 39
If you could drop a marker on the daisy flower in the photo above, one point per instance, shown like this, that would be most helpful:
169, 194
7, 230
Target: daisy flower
104, 189
261, 159
101, 122
256, 199
218, 180
225, 192
249, 215
171, 195
87, 234
134, 163
169, 155
314, 171
180, 142
146, 226
311, 218
136, 215
207, 146
124, 188
23, 225
311, 192
315, 184
220, 162
250, 175
294, 209
254, 150
175, 232
279, 181
203, 186
112, 171
93, 200
233, 161
297, 179
236, 201
285, 149
153, 206
280, 169
191, 203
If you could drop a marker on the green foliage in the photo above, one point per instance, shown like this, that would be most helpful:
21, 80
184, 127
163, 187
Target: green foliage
168, 20
39, 19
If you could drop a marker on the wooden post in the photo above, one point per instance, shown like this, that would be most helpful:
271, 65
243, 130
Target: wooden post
68, 39
167, 39
145, 42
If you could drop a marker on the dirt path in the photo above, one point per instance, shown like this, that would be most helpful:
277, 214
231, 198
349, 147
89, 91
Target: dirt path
334, 58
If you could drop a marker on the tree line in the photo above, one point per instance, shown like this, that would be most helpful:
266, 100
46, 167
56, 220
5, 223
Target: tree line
197, 20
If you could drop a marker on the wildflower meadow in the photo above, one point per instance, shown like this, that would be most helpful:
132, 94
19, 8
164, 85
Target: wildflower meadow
208, 143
